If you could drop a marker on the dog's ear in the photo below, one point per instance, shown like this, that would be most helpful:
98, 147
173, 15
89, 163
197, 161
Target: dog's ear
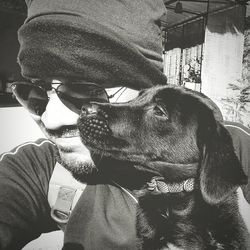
221, 171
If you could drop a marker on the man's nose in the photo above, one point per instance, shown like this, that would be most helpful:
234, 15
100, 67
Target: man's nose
57, 114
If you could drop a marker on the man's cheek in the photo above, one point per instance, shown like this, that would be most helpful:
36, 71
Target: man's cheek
36, 118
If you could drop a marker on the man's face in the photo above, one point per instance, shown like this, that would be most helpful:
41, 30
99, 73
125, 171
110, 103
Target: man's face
58, 123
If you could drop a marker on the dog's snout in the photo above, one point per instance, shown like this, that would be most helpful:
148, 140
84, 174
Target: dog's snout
89, 110
93, 123
94, 109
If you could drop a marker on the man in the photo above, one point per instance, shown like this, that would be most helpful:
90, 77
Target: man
71, 51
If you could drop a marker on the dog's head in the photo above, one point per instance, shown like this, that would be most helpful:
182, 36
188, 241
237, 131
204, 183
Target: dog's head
166, 130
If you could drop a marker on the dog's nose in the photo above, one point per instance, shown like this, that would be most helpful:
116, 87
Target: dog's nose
93, 124
89, 109
94, 110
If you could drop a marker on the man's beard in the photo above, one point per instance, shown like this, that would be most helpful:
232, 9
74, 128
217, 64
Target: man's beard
80, 166
83, 170
77, 166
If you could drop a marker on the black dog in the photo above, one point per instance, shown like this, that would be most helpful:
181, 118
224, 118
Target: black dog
173, 134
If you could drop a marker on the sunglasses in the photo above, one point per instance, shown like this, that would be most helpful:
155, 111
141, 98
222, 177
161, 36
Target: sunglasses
74, 96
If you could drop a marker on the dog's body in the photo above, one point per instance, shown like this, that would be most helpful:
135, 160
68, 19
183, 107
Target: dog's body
174, 137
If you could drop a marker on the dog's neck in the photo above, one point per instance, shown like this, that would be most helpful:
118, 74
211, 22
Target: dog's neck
172, 172
170, 204
158, 185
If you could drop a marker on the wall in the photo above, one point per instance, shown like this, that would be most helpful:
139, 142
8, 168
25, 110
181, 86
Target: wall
16, 127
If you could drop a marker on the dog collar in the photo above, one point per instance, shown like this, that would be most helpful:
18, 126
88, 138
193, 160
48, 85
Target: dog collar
157, 184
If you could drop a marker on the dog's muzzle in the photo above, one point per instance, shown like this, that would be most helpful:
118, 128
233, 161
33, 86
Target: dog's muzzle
93, 123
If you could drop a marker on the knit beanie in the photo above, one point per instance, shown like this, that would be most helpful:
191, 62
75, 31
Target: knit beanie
108, 42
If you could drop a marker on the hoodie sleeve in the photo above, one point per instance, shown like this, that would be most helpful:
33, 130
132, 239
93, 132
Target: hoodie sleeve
241, 141
24, 181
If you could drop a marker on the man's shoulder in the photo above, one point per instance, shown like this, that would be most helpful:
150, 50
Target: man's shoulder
31, 162
40, 155
236, 128
40, 146
241, 140
240, 135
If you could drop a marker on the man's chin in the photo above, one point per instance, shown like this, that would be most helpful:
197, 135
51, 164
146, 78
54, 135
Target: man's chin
77, 164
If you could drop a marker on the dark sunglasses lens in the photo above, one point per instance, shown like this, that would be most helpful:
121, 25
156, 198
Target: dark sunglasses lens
74, 96
31, 97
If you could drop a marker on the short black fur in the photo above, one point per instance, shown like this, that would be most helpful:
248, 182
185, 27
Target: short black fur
163, 133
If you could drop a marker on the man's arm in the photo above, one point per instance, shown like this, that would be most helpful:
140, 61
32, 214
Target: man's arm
241, 141
24, 179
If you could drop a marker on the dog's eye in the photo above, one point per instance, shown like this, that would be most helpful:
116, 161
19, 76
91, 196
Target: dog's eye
160, 111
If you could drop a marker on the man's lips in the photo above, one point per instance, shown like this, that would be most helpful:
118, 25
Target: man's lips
63, 132
69, 140
70, 144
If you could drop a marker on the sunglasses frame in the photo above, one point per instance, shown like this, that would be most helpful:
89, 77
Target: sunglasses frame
59, 93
